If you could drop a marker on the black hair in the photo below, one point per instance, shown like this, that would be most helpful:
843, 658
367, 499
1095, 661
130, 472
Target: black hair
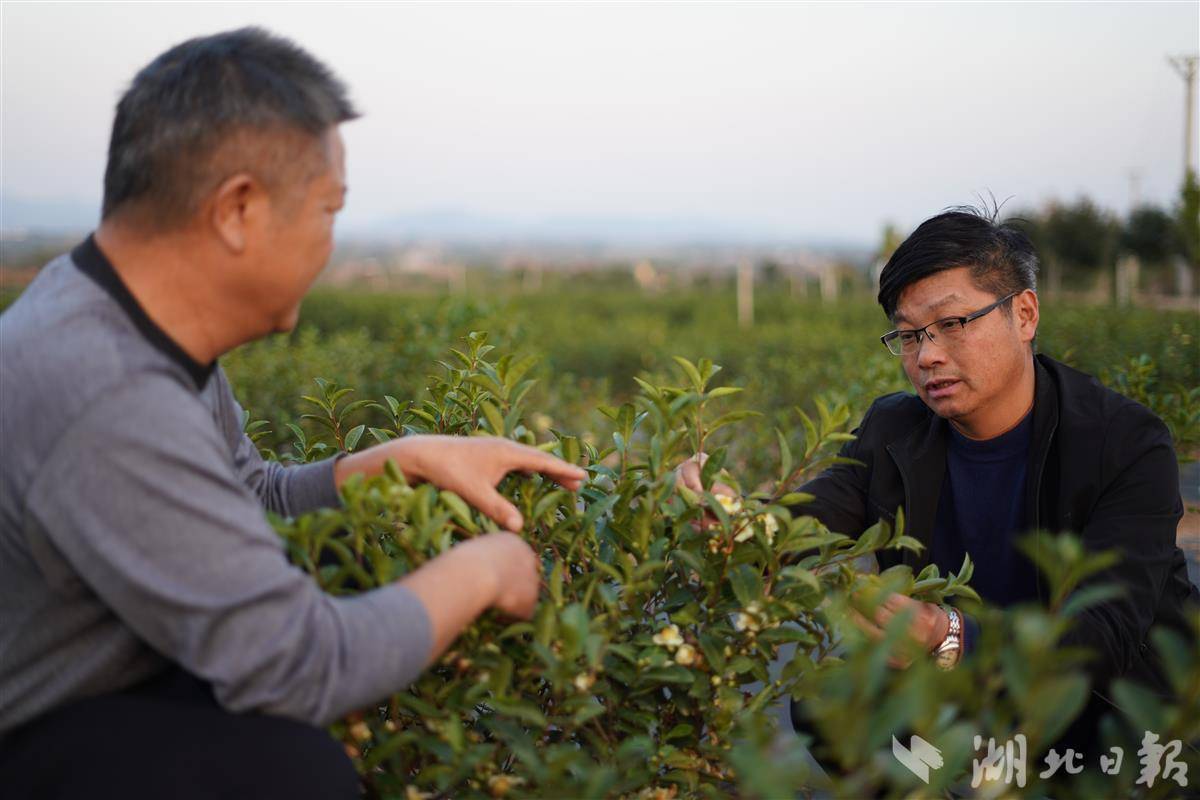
1001, 258
223, 95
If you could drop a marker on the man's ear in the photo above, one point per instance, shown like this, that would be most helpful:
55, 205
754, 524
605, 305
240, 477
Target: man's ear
238, 210
1025, 308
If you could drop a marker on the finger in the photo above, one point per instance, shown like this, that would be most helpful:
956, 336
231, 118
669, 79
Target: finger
865, 625
492, 503
530, 459
898, 602
883, 616
689, 473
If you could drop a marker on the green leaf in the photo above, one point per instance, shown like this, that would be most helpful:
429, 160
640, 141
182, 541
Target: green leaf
714, 651
459, 510
803, 576
353, 436
785, 457
522, 710
730, 418
712, 466
672, 674
493, 417
1089, 596
692, 373
811, 438
381, 436
677, 732
747, 584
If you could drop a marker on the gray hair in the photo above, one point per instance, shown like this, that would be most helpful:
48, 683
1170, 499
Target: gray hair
243, 100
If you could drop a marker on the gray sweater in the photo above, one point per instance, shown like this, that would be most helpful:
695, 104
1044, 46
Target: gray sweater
132, 527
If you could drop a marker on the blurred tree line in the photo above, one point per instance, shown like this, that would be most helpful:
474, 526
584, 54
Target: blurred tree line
1080, 242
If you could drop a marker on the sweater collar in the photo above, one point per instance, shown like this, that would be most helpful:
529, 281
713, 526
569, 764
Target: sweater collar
91, 261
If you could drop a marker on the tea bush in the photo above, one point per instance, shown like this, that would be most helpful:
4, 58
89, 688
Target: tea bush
647, 669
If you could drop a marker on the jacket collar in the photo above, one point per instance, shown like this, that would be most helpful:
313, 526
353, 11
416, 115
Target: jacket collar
921, 459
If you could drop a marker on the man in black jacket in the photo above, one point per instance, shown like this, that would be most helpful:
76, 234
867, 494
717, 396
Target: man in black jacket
999, 441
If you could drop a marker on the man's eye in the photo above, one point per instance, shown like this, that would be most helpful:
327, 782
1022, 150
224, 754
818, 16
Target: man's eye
907, 337
949, 325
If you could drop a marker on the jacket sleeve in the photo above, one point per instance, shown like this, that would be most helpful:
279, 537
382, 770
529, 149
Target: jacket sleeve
1136, 514
840, 492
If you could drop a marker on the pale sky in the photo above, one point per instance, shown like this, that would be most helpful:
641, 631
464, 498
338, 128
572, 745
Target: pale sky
804, 119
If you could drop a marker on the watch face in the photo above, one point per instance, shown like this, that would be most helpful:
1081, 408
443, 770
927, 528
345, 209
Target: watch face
947, 658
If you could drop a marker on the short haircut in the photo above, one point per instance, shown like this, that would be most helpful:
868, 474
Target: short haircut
999, 255
211, 107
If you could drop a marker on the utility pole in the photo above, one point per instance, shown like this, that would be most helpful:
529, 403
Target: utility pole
745, 293
1186, 67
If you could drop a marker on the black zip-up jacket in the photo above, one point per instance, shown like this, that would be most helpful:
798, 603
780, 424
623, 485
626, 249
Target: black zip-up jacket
1101, 466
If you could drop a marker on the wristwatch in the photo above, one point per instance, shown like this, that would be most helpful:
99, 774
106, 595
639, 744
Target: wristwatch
948, 653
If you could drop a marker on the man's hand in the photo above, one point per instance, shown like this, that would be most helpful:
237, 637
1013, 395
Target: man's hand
927, 628
469, 466
688, 474
496, 570
508, 567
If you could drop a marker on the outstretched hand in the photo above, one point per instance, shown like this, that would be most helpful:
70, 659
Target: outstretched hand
469, 466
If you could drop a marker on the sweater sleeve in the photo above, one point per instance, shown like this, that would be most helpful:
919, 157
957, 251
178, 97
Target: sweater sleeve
140, 497
287, 490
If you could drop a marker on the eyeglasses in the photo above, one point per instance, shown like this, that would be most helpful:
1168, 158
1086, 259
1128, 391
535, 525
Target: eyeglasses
946, 331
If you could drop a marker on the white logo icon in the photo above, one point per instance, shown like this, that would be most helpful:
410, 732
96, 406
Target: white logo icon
918, 757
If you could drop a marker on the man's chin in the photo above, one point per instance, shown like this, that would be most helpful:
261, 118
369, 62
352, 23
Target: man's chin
947, 408
287, 322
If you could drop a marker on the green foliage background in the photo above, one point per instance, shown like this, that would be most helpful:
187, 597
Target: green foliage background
595, 697
594, 334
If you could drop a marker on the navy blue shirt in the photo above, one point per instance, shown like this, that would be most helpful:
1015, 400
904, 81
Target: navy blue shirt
981, 512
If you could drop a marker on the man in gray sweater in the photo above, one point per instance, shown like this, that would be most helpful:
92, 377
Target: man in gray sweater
154, 640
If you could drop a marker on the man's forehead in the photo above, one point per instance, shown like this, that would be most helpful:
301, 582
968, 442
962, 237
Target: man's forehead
936, 293
931, 306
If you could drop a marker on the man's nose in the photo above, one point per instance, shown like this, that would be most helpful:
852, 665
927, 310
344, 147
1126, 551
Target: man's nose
930, 352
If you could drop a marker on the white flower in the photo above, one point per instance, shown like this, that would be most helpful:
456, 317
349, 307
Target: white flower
770, 526
668, 637
685, 655
745, 535
744, 622
584, 681
731, 505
